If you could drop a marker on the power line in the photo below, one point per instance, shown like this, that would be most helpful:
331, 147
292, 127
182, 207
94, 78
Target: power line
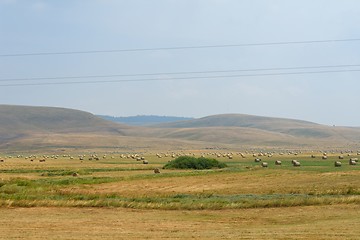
178, 78
178, 48
177, 73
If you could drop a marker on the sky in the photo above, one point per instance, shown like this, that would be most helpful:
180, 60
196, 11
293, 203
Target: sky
35, 26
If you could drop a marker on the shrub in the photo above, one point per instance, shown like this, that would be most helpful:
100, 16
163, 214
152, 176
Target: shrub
186, 162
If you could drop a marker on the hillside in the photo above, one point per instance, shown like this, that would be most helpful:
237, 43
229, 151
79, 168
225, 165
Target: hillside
264, 131
30, 128
27, 128
297, 128
46, 126
23, 119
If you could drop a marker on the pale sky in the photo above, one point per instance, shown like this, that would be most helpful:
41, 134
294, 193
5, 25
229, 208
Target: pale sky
35, 26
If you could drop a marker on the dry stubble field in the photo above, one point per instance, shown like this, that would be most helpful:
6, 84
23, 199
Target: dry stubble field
121, 198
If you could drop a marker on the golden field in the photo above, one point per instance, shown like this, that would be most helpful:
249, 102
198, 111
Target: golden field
119, 197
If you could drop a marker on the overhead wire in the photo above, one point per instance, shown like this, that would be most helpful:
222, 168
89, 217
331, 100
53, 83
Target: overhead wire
178, 73
178, 48
179, 78
160, 75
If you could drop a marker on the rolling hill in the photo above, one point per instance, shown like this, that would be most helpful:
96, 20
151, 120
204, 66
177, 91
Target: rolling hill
29, 127
23, 119
297, 128
24, 128
264, 130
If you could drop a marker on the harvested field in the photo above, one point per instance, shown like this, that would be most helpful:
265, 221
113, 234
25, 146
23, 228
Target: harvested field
312, 222
121, 198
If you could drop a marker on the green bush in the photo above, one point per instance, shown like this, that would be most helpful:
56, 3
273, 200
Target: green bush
186, 162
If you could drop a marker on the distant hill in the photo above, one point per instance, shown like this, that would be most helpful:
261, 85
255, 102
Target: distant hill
28, 128
279, 125
48, 126
264, 130
50, 119
239, 120
24, 128
144, 120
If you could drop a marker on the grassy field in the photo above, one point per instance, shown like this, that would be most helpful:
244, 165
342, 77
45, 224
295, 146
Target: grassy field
312, 222
118, 197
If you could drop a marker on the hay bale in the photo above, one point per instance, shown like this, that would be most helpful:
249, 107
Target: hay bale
337, 164
352, 162
295, 163
156, 170
278, 162
264, 164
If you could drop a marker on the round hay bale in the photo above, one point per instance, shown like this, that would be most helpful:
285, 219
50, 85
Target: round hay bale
264, 164
296, 164
352, 162
337, 164
156, 170
278, 162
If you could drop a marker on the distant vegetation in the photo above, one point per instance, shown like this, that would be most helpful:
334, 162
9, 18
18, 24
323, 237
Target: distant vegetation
144, 120
186, 162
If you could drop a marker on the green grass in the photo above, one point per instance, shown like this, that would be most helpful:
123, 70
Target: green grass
53, 185
177, 201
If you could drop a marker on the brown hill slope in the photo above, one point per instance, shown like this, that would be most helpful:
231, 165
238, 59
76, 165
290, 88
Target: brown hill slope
30, 126
24, 127
292, 127
27, 128
23, 119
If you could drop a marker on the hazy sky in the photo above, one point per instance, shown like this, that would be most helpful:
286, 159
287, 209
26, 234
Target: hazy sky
35, 26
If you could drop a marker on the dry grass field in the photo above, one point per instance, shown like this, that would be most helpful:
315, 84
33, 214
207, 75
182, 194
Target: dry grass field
118, 197
313, 222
